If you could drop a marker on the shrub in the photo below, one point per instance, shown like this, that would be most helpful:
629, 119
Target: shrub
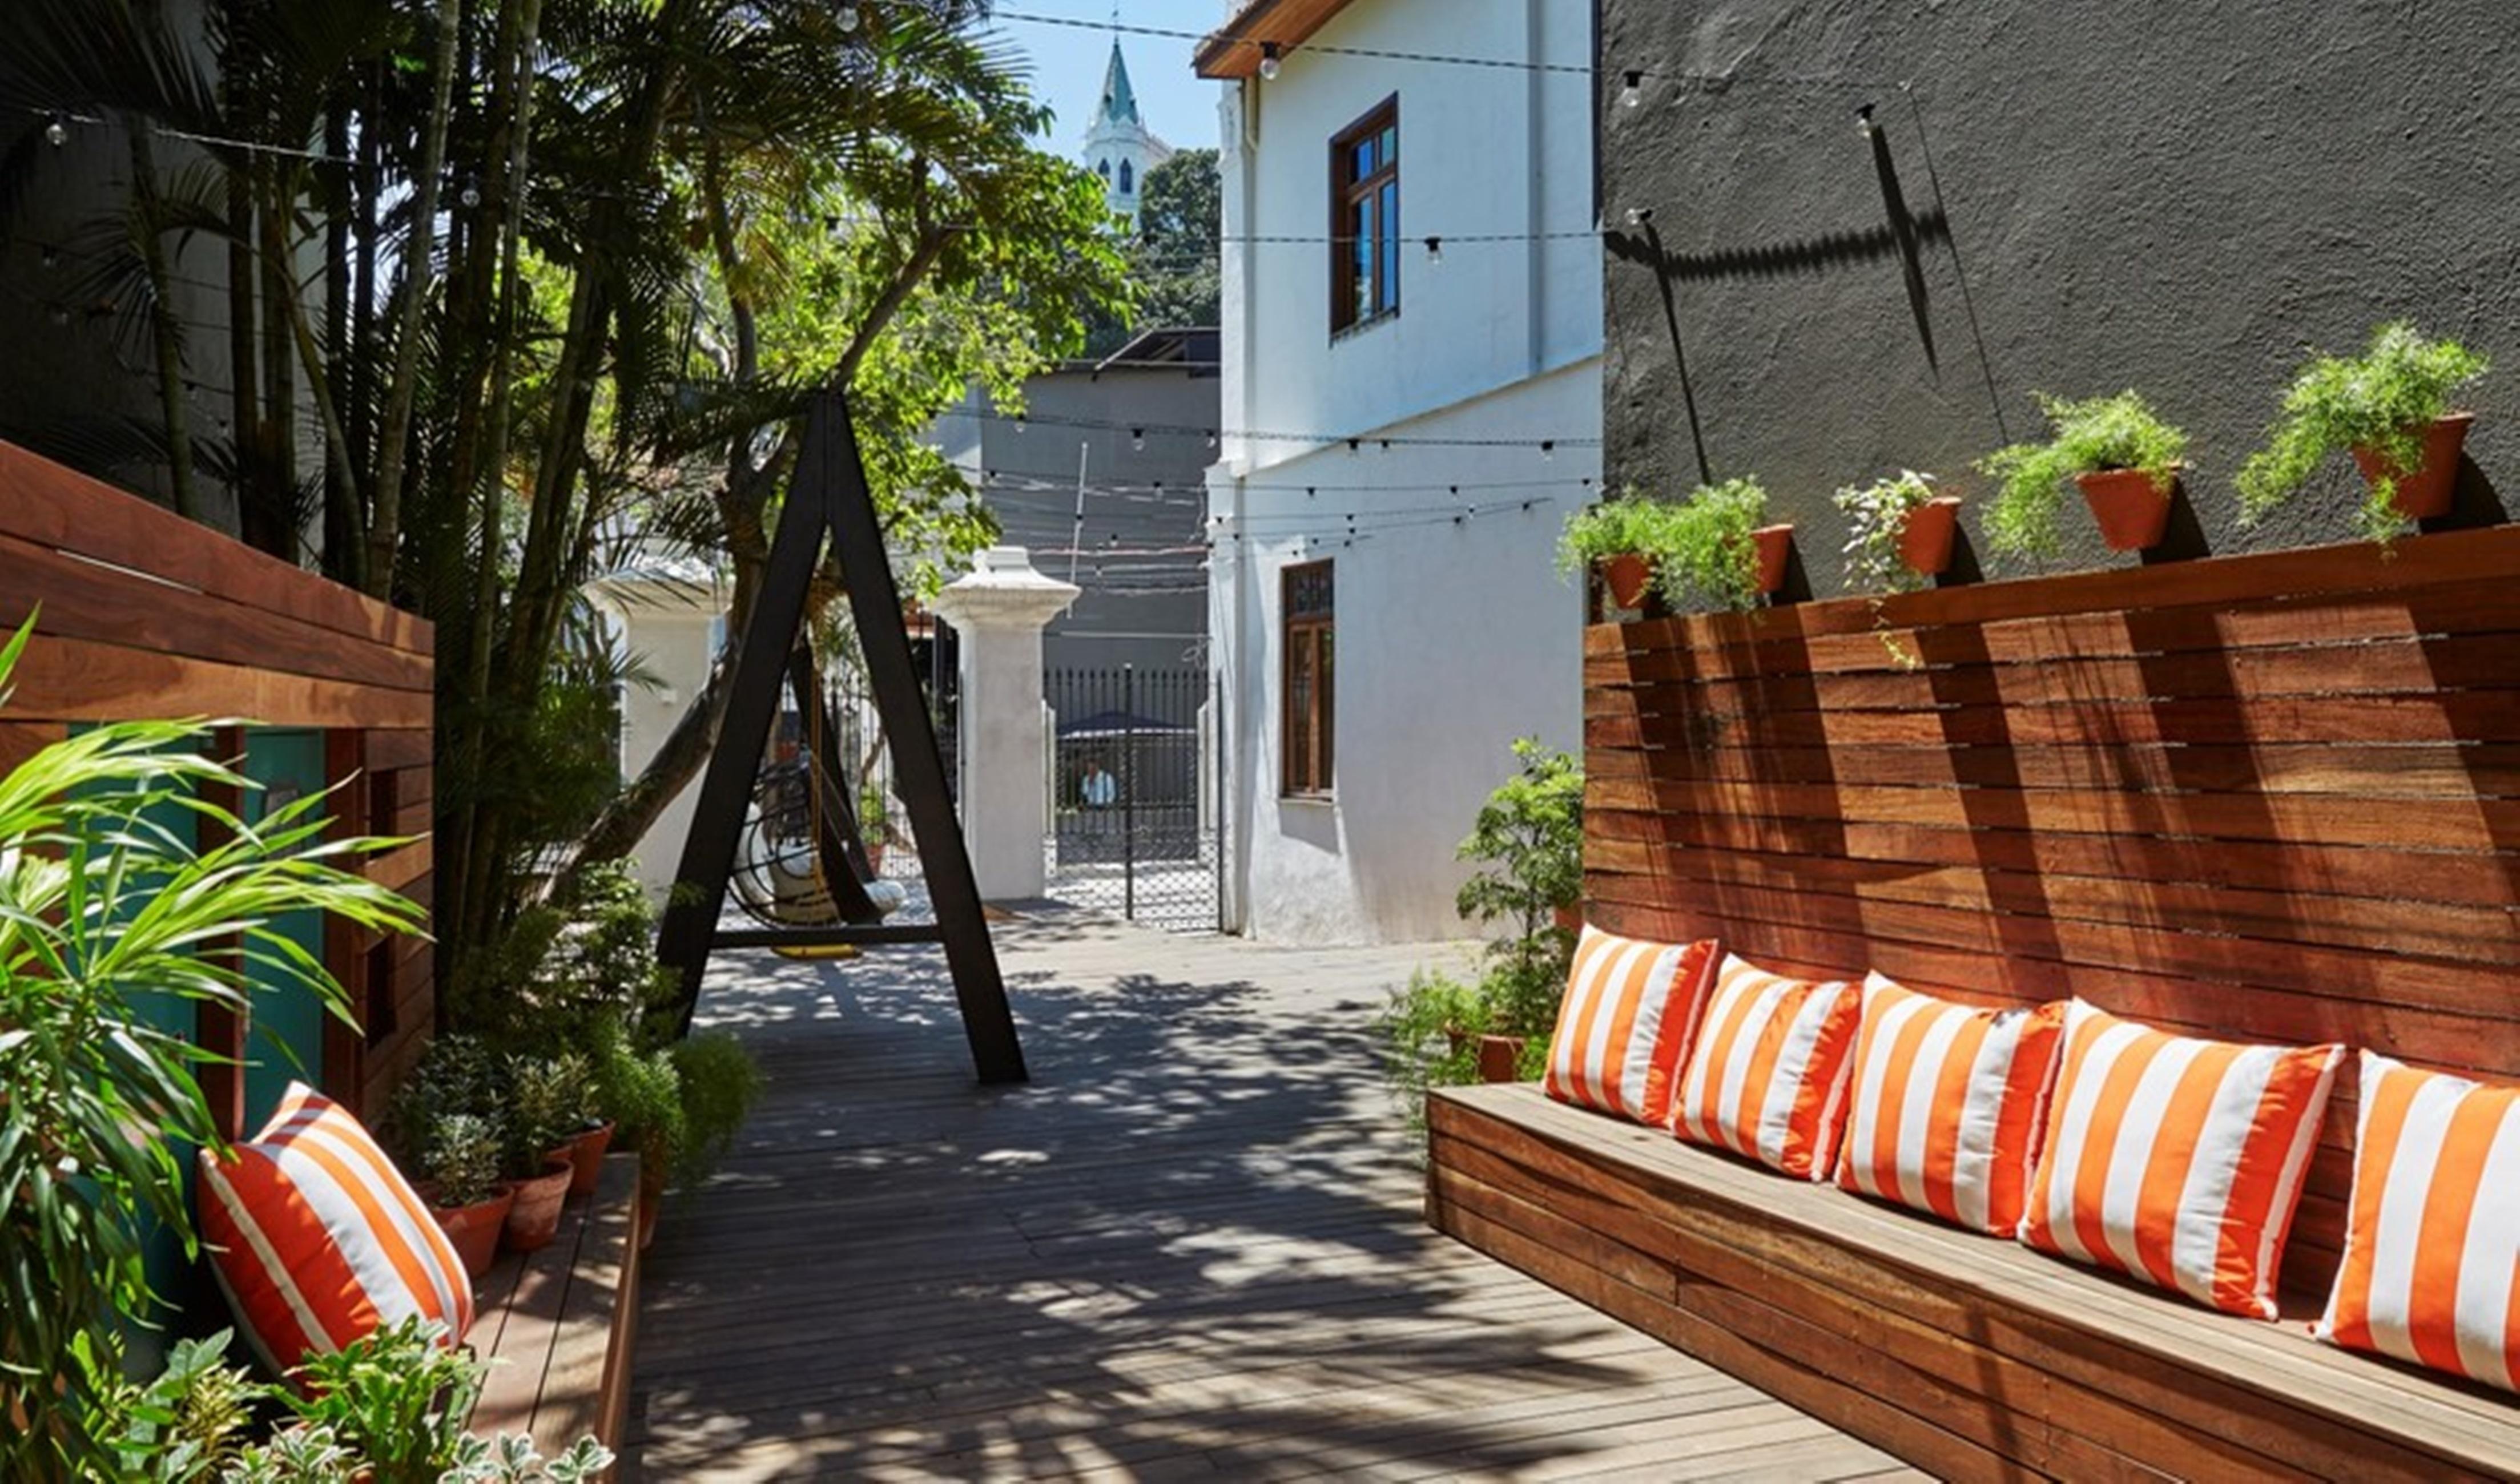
2386, 399
1712, 558
2091, 437
719, 1082
548, 1098
1876, 516
461, 1159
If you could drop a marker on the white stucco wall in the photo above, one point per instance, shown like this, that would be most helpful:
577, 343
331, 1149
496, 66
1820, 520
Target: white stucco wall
674, 631
1452, 638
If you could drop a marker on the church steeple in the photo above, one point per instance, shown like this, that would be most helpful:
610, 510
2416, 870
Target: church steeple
1119, 100
1117, 146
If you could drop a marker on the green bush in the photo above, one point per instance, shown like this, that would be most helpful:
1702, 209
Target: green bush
1630, 523
2091, 437
719, 1082
2386, 399
1712, 560
461, 1159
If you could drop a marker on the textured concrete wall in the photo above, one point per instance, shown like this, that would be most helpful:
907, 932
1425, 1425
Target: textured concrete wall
2181, 198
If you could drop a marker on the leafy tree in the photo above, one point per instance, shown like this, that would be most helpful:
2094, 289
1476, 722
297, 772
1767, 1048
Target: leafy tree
1174, 271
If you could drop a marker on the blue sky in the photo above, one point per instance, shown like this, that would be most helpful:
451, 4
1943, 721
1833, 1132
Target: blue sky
1068, 65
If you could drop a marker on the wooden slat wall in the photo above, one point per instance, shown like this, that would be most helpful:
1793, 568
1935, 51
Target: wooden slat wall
2270, 798
144, 614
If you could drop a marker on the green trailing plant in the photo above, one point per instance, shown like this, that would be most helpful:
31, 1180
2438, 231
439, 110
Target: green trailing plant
461, 1159
1876, 517
2090, 437
107, 914
2385, 399
1630, 523
718, 1083
1712, 558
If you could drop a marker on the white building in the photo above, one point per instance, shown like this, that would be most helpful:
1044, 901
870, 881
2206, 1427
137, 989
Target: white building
1118, 148
1386, 616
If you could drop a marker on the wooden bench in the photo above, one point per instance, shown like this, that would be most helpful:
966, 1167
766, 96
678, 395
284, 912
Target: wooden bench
559, 1326
1969, 1356
2270, 798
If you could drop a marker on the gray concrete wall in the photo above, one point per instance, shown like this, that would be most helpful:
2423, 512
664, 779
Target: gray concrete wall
1032, 490
2181, 198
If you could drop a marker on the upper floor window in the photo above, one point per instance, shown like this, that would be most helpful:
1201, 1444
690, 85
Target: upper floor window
1128, 177
1365, 218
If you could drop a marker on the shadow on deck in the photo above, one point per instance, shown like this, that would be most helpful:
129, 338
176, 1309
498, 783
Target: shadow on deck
1190, 1247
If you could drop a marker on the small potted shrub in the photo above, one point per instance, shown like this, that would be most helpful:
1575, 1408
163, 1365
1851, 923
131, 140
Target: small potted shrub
875, 824
543, 1113
1899, 533
459, 1169
570, 1081
1721, 555
2393, 408
1626, 538
2124, 460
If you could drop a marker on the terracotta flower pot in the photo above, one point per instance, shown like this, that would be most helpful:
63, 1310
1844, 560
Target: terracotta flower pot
585, 1156
2428, 492
2131, 510
1500, 1057
534, 1219
473, 1230
1630, 578
1775, 548
1926, 535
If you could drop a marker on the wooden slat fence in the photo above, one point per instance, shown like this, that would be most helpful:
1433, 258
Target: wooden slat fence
144, 614
2270, 798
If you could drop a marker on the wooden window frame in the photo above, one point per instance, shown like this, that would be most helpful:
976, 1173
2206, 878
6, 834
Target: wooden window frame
1307, 744
1347, 190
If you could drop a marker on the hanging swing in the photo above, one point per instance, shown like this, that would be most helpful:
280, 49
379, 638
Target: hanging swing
802, 862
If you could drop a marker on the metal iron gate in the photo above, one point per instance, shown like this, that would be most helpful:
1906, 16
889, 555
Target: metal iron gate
1135, 828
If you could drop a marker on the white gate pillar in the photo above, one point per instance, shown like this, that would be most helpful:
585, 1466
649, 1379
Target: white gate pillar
999, 612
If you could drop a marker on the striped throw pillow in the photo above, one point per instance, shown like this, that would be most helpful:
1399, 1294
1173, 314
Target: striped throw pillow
1943, 1112
1625, 1024
1766, 1078
317, 1240
2433, 1235
2177, 1160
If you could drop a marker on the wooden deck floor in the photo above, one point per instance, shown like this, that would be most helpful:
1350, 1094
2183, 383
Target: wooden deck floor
1192, 1247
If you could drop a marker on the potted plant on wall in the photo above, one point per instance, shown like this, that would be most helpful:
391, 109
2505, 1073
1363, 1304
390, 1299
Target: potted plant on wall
1722, 554
543, 1113
2393, 407
2124, 460
1898, 532
1626, 539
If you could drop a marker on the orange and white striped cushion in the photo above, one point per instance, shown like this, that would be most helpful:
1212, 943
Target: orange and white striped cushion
1625, 1024
2432, 1238
1766, 1078
318, 1240
2176, 1159
1943, 1112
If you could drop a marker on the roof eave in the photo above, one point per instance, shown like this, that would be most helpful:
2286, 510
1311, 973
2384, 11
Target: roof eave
1232, 51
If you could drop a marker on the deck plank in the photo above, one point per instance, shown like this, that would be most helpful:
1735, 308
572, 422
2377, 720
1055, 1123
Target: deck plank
1192, 1249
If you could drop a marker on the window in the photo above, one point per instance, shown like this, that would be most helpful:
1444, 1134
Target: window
1103, 167
1128, 177
1305, 596
1365, 218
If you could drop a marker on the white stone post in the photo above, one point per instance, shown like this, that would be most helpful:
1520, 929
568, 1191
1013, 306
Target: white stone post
999, 612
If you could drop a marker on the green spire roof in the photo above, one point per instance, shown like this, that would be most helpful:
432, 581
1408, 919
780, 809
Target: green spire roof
1119, 100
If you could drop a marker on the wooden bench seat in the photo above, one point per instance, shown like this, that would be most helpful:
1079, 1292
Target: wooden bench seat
558, 1326
1969, 1356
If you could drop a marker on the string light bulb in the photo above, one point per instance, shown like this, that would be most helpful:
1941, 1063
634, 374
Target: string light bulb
1548, 450
1863, 125
1137, 440
846, 13
52, 258
1638, 217
57, 132
1633, 93
1269, 62
1435, 251
1211, 440
471, 196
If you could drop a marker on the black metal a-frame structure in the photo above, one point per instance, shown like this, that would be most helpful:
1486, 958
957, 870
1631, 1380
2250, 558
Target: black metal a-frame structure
829, 497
